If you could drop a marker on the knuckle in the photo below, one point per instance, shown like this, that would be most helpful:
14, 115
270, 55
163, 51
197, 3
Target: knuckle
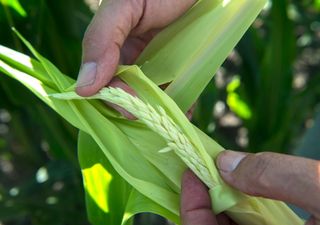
138, 8
88, 40
258, 173
138, 4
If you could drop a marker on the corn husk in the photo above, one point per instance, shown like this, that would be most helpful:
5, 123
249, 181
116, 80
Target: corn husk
123, 156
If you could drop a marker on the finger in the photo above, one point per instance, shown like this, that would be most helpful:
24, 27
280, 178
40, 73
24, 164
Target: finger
282, 177
223, 219
312, 221
190, 112
117, 83
102, 42
195, 202
134, 45
160, 13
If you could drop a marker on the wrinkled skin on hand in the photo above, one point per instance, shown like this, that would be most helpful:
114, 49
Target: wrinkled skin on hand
119, 32
195, 203
282, 177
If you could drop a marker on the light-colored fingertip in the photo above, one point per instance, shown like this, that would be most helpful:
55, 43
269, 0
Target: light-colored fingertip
228, 161
87, 74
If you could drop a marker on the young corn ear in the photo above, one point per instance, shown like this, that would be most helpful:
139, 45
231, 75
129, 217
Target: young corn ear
158, 121
247, 210
153, 177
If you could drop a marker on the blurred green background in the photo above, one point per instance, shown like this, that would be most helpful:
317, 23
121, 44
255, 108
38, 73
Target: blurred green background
265, 97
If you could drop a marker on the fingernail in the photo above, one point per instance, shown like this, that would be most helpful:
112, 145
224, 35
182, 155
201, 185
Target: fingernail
87, 74
228, 161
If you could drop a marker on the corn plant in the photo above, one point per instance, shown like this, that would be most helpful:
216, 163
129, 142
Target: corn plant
135, 166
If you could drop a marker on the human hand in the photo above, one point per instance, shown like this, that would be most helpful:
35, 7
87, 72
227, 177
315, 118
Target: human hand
195, 204
276, 176
119, 31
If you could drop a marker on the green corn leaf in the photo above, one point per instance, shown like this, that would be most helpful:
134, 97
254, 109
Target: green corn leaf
153, 175
234, 101
129, 150
75, 112
14, 4
192, 49
109, 198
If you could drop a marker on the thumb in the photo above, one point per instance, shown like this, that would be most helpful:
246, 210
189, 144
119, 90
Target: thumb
282, 177
102, 42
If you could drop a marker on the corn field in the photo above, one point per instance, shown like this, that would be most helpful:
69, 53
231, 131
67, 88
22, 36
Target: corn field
264, 97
